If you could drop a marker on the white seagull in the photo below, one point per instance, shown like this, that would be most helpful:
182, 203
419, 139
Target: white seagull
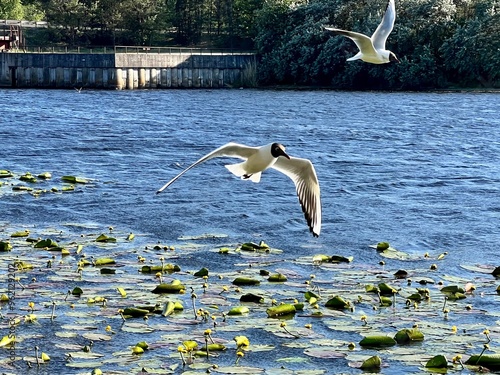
372, 50
258, 159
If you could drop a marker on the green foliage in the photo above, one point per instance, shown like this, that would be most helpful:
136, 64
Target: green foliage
440, 43
11, 10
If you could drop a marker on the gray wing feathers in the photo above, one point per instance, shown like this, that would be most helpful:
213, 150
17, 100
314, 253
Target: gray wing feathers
385, 27
229, 149
303, 174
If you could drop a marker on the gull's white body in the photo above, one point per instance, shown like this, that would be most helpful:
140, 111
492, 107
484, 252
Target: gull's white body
372, 49
257, 160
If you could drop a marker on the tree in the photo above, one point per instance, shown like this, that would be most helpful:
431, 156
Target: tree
11, 10
472, 55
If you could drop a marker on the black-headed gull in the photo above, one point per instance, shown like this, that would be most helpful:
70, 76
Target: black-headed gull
258, 159
372, 50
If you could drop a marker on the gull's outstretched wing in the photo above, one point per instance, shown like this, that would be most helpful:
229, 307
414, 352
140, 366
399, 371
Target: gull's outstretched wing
385, 27
234, 150
303, 174
363, 42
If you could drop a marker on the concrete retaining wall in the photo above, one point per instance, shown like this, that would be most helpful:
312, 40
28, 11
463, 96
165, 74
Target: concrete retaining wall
122, 70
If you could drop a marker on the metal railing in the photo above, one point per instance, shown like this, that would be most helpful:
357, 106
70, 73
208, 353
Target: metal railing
134, 49
7, 23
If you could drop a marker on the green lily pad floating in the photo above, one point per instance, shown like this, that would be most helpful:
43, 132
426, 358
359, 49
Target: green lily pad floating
492, 361
405, 336
381, 246
107, 271
105, 238
202, 272
385, 250
451, 289
415, 297
250, 297
165, 268
5, 173
245, 281
45, 243
438, 361
401, 274
21, 233
251, 246
386, 301
308, 295
22, 265
277, 278
386, 289
337, 302
340, 259
104, 261
213, 348
239, 310
5, 246
28, 177
372, 289
77, 291
135, 312
372, 363
21, 188
45, 176
168, 308
174, 287
74, 180
377, 341
281, 310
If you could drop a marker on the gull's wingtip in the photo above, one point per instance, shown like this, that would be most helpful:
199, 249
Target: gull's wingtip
315, 232
161, 189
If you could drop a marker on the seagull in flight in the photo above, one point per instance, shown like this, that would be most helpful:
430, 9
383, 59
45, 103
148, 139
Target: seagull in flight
372, 50
257, 160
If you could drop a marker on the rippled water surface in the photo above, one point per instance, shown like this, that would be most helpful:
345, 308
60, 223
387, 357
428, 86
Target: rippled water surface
419, 170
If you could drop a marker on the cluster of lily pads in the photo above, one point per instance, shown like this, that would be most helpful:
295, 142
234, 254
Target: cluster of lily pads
37, 184
91, 299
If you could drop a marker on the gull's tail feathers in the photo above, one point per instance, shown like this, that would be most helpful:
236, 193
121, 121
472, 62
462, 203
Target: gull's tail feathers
239, 171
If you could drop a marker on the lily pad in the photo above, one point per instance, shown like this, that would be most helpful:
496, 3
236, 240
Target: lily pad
491, 361
377, 341
169, 288
280, 310
372, 363
438, 361
245, 281
5, 246
74, 180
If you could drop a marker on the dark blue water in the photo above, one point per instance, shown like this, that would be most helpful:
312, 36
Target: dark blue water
419, 170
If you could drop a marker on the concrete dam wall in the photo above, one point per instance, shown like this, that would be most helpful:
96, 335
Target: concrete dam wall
124, 70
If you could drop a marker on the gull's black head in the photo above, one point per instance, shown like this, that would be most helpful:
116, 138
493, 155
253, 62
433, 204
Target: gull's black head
278, 149
393, 58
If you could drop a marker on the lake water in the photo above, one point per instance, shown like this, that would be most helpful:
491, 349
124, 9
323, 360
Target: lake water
419, 170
